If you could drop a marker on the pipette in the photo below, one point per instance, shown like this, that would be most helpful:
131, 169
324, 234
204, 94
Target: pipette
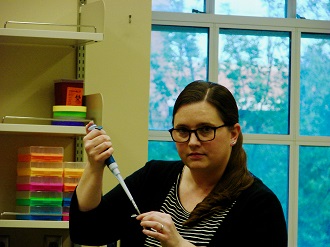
113, 166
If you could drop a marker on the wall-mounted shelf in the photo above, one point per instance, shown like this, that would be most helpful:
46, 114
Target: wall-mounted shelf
42, 129
34, 224
47, 37
94, 104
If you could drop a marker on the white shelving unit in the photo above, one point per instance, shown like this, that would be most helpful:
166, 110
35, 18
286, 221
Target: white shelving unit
94, 104
47, 37
41, 129
31, 59
34, 224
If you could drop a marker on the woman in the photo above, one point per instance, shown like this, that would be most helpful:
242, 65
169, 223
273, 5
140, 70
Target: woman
208, 198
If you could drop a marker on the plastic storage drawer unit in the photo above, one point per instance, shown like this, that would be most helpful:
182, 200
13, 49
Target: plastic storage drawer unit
43, 183
40, 154
72, 172
39, 198
66, 211
67, 198
70, 184
39, 213
73, 169
54, 169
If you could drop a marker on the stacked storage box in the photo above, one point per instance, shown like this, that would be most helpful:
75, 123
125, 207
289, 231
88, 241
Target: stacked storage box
69, 115
68, 108
71, 176
39, 187
69, 92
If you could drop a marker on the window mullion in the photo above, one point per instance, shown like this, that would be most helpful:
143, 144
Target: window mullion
291, 6
213, 52
209, 6
294, 133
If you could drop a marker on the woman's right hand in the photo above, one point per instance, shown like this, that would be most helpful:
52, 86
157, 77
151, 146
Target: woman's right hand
98, 146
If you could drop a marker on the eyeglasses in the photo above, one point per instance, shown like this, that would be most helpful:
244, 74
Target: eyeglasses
203, 134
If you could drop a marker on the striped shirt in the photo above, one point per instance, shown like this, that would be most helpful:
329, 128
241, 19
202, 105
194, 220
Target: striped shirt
199, 235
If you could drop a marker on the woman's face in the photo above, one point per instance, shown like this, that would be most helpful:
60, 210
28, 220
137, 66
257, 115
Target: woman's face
211, 156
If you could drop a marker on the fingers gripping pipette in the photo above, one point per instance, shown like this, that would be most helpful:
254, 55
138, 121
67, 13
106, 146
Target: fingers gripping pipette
112, 165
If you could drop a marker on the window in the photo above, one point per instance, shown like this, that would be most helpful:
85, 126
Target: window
255, 65
271, 163
260, 8
314, 198
178, 56
313, 9
304, 9
183, 6
314, 85
275, 59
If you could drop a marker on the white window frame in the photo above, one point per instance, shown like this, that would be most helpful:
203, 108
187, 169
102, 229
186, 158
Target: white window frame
296, 27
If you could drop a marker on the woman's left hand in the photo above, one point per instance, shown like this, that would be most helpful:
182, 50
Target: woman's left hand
161, 227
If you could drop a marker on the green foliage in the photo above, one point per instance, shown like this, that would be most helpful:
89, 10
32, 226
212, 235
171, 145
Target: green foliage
314, 197
315, 85
162, 151
176, 61
271, 164
259, 78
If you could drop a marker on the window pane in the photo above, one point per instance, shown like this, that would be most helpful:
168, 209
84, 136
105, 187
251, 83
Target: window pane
178, 56
314, 197
168, 150
270, 164
255, 65
313, 9
315, 85
260, 8
183, 6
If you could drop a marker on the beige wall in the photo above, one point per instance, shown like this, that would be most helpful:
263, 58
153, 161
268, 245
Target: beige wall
63, 11
118, 67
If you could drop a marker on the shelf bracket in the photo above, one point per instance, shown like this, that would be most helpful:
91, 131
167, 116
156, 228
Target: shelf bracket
80, 75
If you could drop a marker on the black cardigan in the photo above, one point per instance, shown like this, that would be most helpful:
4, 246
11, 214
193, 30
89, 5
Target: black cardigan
256, 219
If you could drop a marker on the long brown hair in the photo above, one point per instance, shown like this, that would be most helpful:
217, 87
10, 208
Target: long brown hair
236, 177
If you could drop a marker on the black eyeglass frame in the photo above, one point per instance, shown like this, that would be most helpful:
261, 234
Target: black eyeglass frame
195, 132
